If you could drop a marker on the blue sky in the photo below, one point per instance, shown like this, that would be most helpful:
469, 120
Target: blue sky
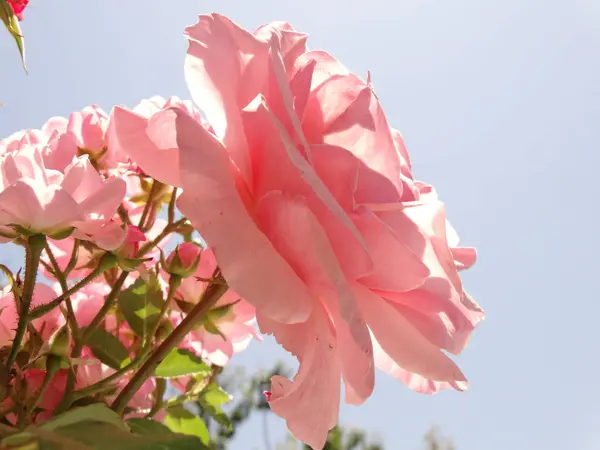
499, 105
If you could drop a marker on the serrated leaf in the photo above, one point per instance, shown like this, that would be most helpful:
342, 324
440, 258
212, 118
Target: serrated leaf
98, 412
108, 348
214, 395
217, 414
147, 427
180, 420
180, 362
141, 304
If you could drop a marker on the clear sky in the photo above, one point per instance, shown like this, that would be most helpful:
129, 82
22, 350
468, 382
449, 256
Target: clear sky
499, 102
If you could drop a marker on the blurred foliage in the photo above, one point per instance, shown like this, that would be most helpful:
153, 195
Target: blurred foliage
249, 401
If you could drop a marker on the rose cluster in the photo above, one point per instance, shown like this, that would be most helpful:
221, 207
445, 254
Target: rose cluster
297, 208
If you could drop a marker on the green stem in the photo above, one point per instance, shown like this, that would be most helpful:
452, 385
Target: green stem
171, 209
73, 259
211, 295
52, 368
163, 234
68, 397
174, 283
62, 280
109, 301
33, 252
107, 261
154, 189
102, 385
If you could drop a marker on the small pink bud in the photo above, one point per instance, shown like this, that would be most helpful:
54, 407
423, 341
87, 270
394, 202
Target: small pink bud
126, 254
268, 395
184, 260
133, 237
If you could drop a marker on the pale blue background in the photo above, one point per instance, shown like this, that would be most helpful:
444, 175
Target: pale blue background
499, 102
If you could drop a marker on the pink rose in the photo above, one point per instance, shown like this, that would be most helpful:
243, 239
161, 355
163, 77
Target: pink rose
54, 203
88, 129
154, 152
305, 195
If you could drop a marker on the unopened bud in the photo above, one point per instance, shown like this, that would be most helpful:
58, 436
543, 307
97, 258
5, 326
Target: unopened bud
127, 252
184, 260
60, 342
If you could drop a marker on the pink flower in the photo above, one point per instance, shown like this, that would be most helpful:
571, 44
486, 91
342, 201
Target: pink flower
58, 148
9, 317
231, 327
54, 203
306, 197
151, 146
89, 130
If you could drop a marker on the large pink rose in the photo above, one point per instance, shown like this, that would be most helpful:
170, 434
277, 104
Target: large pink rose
305, 195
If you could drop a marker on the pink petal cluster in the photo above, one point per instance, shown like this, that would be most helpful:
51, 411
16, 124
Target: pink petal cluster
305, 194
141, 135
53, 202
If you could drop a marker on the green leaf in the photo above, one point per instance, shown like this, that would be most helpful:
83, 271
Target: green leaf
180, 420
108, 349
214, 395
147, 427
217, 414
98, 412
141, 304
102, 436
180, 362
20, 441
48, 440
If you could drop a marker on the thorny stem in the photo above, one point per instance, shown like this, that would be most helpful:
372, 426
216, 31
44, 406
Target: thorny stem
73, 259
103, 384
60, 276
163, 234
51, 370
68, 397
108, 303
211, 295
174, 283
107, 261
33, 252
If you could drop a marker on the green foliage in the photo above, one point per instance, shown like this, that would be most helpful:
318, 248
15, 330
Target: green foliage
108, 348
180, 420
147, 427
141, 304
180, 362
96, 427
